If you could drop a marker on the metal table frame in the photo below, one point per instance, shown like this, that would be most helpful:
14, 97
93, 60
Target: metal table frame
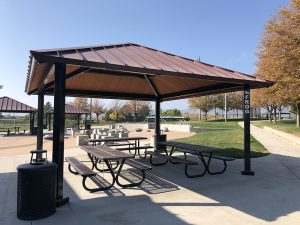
199, 151
94, 154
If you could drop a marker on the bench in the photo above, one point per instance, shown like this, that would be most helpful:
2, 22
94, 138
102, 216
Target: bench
136, 148
158, 154
224, 159
217, 157
118, 144
84, 171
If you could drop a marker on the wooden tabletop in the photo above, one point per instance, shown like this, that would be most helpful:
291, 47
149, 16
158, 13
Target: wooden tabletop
188, 147
117, 139
106, 153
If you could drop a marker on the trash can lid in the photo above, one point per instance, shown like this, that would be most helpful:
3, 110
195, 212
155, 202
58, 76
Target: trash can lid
28, 166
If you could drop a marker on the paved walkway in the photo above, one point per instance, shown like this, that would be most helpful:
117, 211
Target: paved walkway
286, 152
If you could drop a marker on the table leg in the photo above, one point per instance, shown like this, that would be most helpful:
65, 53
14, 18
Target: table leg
101, 188
139, 153
132, 184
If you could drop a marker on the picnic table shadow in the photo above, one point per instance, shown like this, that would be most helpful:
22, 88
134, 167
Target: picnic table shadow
272, 193
106, 210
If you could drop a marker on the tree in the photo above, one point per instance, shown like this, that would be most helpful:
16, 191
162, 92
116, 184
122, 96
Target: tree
263, 98
172, 112
218, 103
235, 102
279, 54
81, 103
117, 109
204, 103
195, 103
48, 107
136, 108
98, 108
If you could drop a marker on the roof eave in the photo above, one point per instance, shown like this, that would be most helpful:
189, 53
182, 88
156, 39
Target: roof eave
41, 57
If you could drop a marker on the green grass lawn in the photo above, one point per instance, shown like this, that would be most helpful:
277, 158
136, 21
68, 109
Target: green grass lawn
229, 136
288, 126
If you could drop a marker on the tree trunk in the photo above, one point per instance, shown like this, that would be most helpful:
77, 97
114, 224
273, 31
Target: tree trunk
298, 114
199, 115
279, 115
275, 115
270, 117
237, 113
215, 113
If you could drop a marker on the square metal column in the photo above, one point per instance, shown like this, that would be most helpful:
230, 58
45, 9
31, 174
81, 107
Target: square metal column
40, 125
31, 122
247, 153
59, 129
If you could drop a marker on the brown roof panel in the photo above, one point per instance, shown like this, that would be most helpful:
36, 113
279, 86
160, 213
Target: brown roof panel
11, 105
121, 68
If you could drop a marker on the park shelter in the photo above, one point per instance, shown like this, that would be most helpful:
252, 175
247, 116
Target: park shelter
69, 110
9, 105
127, 71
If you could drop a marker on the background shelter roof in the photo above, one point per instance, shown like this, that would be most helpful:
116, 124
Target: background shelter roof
13, 106
70, 109
132, 71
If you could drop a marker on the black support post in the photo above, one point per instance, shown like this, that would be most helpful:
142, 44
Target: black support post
49, 121
157, 121
78, 121
247, 154
39, 143
31, 122
59, 129
85, 122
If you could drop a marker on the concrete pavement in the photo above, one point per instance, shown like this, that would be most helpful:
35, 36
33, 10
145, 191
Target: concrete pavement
272, 196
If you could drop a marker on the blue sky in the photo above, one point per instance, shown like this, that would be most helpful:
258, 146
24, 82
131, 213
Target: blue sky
220, 32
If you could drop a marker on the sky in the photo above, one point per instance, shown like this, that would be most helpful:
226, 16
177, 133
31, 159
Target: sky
221, 32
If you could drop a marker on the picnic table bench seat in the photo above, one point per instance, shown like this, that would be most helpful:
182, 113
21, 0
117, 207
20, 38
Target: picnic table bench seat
118, 144
224, 159
201, 151
217, 157
157, 154
83, 170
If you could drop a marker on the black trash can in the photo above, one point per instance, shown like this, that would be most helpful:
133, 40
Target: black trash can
161, 137
36, 196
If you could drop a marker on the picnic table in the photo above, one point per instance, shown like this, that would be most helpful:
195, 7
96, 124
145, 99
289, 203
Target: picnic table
7, 130
17, 129
124, 141
201, 151
98, 154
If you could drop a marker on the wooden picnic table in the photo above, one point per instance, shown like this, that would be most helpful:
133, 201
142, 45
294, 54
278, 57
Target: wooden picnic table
108, 155
201, 151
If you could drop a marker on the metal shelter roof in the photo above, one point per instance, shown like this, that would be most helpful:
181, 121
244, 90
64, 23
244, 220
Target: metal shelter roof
70, 109
132, 71
11, 105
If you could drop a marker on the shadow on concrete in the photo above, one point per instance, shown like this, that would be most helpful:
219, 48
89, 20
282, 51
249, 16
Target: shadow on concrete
272, 193
153, 184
